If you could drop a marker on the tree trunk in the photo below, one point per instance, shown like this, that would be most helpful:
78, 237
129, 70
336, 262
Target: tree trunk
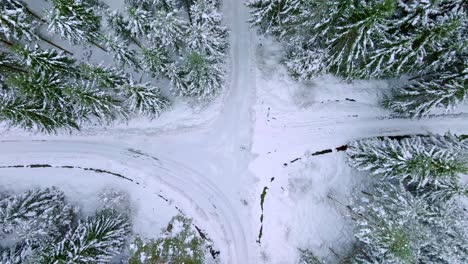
55, 45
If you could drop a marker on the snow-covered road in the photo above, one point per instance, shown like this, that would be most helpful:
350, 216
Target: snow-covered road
215, 172
204, 170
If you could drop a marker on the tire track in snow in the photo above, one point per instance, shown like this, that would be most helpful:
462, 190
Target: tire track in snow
200, 198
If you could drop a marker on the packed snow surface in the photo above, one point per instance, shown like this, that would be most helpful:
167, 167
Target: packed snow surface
213, 164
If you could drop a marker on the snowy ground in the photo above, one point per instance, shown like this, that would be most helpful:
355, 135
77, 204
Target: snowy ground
213, 164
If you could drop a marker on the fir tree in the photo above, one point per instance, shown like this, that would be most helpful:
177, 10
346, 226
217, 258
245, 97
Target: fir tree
305, 63
14, 21
138, 21
16, 254
120, 51
31, 115
434, 160
107, 78
95, 240
144, 99
207, 35
196, 77
271, 16
35, 218
393, 226
376, 39
73, 20
178, 244
45, 61
155, 61
422, 36
167, 29
445, 90
307, 257
86, 100
8, 65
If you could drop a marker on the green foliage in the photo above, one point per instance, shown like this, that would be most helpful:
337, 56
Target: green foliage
420, 98
376, 39
31, 115
271, 16
74, 20
144, 99
197, 77
44, 61
95, 240
307, 257
393, 226
32, 220
433, 161
178, 244
155, 61
45, 90
14, 21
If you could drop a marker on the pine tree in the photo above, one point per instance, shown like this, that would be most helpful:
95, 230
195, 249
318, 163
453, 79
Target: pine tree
167, 29
35, 217
14, 21
8, 65
45, 61
272, 16
376, 39
73, 20
197, 77
434, 160
138, 21
86, 100
305, 63
95, 240
178, 244
445, 90
357, 30
421, 37
155, 61
31, 115
207, 35
106, 78
307, 257
393, 226
16, 254
121, 51
144, 99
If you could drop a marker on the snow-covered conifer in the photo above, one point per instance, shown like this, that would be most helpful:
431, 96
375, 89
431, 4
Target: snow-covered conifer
178, 244
121, 51
14, 21
35, 217
167, 29
107, 78
307, 257
197, 77
8, 64
206, 34
271, 16
144, 99
86, 101
393, 226
434, 160
138, 21
95, 240
73, 20
17, 253
305, 63
45, 61
30, 114
155, 61
444, 91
